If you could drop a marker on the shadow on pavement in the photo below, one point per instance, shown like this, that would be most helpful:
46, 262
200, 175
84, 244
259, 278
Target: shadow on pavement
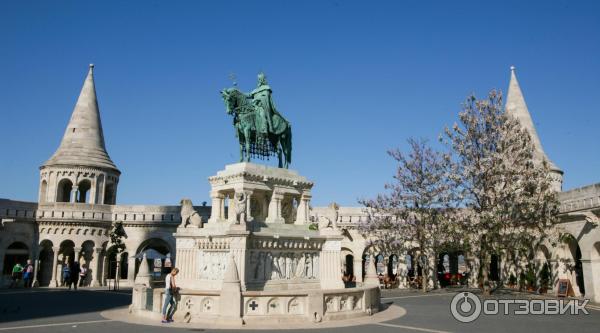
22, 304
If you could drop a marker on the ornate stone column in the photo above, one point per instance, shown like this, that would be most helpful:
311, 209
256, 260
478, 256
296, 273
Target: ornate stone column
231, 209
104, 269
473, 264
274, 215
432, 267
217, 213
329, 265
77, 254
402, 271
249, 194
36, 264
54, 279
73, 197
591, 272
303, 207
95, 263
357, 269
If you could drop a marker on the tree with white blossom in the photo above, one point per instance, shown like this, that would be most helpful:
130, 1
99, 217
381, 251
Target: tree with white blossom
413, 213
507, 194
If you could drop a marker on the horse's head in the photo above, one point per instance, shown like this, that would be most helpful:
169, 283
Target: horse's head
229, 96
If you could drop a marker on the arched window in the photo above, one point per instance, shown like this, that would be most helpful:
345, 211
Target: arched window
63, 193
43, 191
349, 271
84, 191
462, 265
109, 194
446, 263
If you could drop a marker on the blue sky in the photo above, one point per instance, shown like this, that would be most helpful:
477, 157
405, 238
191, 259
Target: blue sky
354, 79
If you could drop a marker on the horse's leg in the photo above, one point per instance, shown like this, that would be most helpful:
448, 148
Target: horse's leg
247, 135
241, 153
279, 157
288, 146
240, 136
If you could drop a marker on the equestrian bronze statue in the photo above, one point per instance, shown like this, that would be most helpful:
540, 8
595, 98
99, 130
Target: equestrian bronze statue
261, 130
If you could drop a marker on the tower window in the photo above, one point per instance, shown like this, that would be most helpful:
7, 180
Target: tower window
64, 190
84, 191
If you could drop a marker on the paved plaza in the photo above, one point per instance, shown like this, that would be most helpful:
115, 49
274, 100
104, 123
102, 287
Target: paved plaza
57, 310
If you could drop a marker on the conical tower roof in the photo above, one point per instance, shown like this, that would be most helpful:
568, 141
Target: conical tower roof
83, 141
516, 106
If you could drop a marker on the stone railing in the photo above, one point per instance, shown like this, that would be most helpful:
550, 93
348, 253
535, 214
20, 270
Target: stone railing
348, 217
582, 198
17, 210
82, 212
62, 211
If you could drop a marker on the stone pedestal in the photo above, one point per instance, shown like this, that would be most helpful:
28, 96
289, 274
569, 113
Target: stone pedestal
260, 260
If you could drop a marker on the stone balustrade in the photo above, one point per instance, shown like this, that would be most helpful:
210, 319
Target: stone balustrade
587, 197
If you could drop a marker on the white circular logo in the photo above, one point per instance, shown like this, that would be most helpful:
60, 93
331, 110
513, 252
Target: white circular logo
465, 307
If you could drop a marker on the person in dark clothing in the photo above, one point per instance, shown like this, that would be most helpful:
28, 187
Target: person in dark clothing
75, 270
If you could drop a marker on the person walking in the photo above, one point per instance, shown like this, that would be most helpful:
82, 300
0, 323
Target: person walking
83, 275
17, 272
66, 275
171, 291
75, 270
28, 274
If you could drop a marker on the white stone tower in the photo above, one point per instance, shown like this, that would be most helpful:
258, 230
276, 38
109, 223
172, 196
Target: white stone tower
81, 170
516, 106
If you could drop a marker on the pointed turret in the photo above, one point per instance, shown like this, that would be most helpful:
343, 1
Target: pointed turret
83, 141
516, 106
80, 171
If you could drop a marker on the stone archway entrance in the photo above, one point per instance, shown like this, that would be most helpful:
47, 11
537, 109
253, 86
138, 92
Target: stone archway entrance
156, 250
46, 260
66, 257
16, 253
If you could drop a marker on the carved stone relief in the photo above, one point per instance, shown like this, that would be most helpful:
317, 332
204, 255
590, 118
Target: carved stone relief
212, 265
280, 265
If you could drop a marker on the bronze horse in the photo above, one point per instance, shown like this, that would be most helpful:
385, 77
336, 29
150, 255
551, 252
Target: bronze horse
255, 138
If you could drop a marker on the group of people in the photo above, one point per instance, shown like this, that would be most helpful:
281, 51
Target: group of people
74, 275
22, 272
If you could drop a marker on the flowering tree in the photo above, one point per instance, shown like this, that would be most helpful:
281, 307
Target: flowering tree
508, 197
412, 214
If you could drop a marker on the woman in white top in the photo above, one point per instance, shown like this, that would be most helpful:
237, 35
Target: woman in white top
170, 290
